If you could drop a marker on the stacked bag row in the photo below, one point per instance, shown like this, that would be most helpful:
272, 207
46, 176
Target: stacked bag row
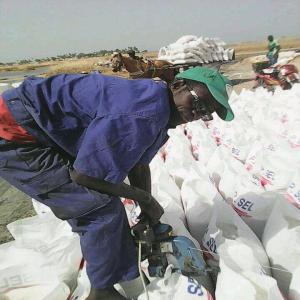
240, 188
190, 49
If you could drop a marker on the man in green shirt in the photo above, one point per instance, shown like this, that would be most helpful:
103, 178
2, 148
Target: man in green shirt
273, 50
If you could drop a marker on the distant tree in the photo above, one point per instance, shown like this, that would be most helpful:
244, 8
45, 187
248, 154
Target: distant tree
24, 61
80, 55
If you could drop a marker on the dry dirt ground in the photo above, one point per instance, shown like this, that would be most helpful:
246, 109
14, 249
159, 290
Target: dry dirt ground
15, 205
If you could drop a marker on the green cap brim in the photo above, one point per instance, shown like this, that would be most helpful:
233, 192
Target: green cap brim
228, 115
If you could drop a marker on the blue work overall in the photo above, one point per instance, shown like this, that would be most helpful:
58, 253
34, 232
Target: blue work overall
40, 168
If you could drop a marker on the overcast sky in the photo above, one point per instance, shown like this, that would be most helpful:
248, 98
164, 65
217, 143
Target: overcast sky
41, 28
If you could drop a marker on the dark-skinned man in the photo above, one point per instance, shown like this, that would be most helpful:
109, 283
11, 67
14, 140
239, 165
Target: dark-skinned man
69, 141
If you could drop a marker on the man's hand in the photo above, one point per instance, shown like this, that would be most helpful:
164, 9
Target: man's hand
153, 211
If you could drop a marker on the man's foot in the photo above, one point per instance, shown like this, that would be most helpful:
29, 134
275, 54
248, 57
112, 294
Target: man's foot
104, 294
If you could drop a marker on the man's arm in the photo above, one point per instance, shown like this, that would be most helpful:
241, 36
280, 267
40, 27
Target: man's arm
148, 204
277, 48
112, 189
140, 177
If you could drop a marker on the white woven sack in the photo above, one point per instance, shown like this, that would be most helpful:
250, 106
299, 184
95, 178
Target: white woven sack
40, 208
20, 282
52, 239
235, 284
281, 239
198, 195
294, 292
254, 206
175, 286
227, 228
179, 158
166, 192
293, 191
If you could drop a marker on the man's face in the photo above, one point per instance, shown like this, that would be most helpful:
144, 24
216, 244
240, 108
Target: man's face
184, 97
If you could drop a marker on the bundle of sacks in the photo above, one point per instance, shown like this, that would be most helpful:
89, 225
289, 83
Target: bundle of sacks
42, 262
240, 192
232, 188
191, 49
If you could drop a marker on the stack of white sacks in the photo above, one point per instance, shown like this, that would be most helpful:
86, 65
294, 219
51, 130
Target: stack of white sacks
239, 186
231, 187
190, 49
42, 263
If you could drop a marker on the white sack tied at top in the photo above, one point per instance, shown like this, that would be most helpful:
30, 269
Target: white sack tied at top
244, 269
227, 229
278, 159
167, 193
198, 195
179, 160
235, 284
281, 239
245, 194
202, 142
241, 189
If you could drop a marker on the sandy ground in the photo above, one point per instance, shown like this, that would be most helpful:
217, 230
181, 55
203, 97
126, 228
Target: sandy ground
15, 205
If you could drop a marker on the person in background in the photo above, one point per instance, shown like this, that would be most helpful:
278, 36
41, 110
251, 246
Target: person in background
273, 50
70, 140
131, 54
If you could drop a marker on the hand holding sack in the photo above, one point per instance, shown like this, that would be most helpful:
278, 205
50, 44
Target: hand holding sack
152, 210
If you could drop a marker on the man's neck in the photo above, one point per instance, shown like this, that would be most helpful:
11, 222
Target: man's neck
174, 119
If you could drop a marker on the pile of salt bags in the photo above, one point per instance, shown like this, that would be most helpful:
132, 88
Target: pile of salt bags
42, 262
191, 49
252, 166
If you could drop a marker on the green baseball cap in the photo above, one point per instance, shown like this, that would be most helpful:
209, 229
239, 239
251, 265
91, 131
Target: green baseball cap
218, 85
